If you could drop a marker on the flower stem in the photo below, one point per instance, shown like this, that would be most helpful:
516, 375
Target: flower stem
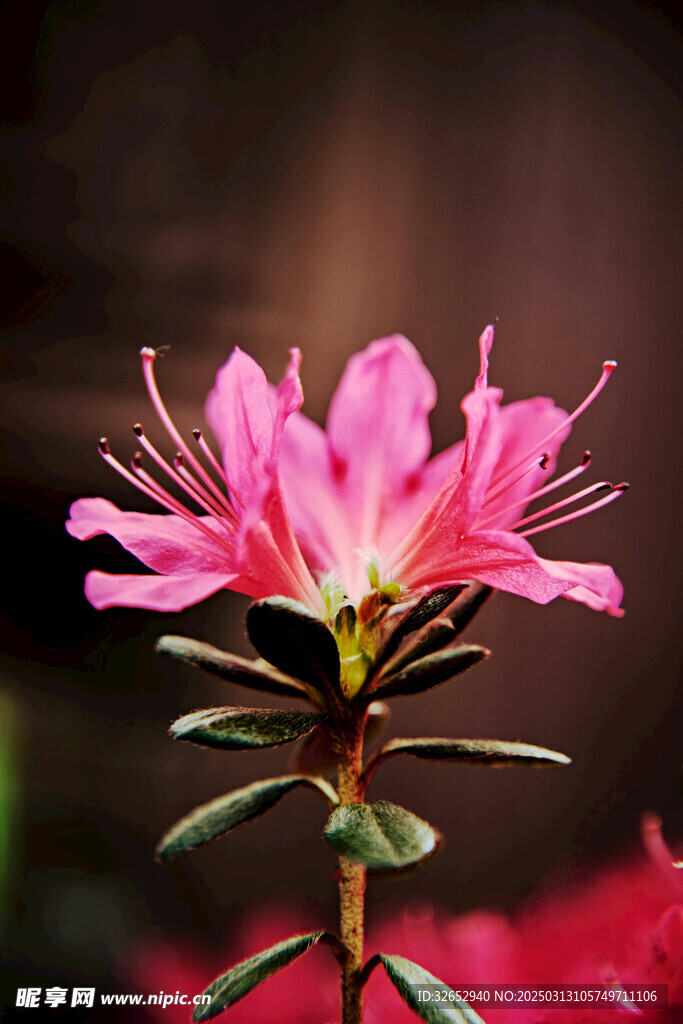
351, 876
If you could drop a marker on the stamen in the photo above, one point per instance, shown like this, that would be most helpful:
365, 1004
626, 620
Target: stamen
604, 485
199, 438
537, 463
148, 357
607, 369
552, 486
169, 499
176, 477
197, 489
103, 446
616, 493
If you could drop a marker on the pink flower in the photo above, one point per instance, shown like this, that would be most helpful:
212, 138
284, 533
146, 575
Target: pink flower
314, 515
244, 541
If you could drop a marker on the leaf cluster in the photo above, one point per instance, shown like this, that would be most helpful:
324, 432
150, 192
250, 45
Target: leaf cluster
344, 674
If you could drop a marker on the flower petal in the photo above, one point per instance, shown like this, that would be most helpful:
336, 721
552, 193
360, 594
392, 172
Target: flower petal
158, 593
165, 543
378, 429
238, 414
268, 554
593, 584
311, 493
417, 494
499, 559
455, 506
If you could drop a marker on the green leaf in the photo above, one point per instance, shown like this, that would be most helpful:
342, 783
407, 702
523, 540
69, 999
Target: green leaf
244, 728
257, 675
493, 752
426, 609
241, 979
466, 607
380, 835
406, 976
225, 813
430, 607
295, 640
433, 637
428, 672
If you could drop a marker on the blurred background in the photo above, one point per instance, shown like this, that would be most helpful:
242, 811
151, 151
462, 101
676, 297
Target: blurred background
280, 174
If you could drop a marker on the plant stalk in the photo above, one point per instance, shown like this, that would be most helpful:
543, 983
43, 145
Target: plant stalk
351, 877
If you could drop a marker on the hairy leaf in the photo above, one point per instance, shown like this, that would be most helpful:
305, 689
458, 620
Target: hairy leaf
426, 609
380, 835
493, 752
236, 728
466, 607
241, 979
257, 675
221, 815
407, 977
428, 672
295, 640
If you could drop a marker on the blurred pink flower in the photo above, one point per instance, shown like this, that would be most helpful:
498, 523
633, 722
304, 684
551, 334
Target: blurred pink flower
621, 924
357, 504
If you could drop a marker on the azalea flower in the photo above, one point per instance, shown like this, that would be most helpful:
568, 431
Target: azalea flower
326, 516
619, 927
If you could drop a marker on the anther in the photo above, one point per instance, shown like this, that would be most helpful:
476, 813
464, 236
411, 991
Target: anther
103, 445
197, 434
585, 459
137, 429
178, 460
136, 461
148, 353
543, 464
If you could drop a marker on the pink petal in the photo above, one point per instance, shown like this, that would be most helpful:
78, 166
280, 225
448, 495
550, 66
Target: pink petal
592, 583
485, 346
159, 593
248, 418
415, 497
268, 554
454, 508
237, 412
378, 429
313, 496
165, 543
289, 397
499, 559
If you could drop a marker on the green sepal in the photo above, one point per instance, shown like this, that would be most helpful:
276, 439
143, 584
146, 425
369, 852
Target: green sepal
406, 975
430, 671
494, 752
291, 637
222, 815
380, 835
236, 728
239, 981
257, 675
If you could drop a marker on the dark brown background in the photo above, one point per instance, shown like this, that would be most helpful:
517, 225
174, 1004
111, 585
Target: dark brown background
215, 174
